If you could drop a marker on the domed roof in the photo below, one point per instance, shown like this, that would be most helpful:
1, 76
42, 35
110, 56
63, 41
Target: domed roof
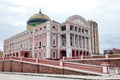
39, 16
37, 19
76, 19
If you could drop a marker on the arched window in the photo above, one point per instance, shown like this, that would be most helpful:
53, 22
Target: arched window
54, 27
44, 42
40, 45
53, 41
54, 54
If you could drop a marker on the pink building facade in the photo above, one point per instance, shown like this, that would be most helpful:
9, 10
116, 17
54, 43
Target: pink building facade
48, 39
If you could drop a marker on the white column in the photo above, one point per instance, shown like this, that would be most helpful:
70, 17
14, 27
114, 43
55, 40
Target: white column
74, 40
105, 67
117, 70
59, 40
28, 43
85, 42
78, 40
68, 47
82, 41
48, 41
89, 43
67, 40
33, 48
59, 44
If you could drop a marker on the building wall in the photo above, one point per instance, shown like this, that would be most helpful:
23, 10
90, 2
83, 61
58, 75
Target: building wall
94, 37
52, 40
112, 51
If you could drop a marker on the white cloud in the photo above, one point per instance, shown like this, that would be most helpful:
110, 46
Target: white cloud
58, 6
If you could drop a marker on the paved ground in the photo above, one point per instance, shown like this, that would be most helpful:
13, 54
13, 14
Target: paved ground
28, 77
34, 76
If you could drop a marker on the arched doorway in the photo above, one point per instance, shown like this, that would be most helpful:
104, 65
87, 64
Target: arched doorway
13, 54
26, 55
16, 54
84, 53
80, 53
87, 53
62, 54
73, 53
77, 53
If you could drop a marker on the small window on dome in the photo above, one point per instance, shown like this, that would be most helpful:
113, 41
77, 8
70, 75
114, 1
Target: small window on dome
79, 30
40, 28
71, 27
44, 26
82, 30
75, 28
63, 28
54, 27
36, 30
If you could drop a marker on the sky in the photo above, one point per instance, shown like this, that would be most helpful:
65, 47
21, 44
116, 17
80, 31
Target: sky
15, 13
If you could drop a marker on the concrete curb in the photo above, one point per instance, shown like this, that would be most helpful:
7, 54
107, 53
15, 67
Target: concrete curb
110, 77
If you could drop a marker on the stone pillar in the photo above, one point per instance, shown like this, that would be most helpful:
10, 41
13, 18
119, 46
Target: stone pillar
59, 44
117, 71
36, 60
74, 40
68, 49
81, 57
61, 63
78, 40
90, 43
81, 42
85, 42
21, 58
68, 46
105, 67
106, 56
48, 40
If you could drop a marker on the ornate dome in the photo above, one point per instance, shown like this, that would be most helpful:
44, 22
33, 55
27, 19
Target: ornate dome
76, 19
37, 19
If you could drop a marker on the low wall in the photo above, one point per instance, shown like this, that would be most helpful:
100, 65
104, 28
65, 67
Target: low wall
112, 62
27, 67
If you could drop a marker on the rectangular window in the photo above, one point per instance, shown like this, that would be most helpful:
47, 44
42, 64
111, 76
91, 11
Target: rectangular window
75, 28
54, 27
54, 54
44, 26
44, 42
79, 30
71, 40
71, 27
63, 28
40, 45
54, 42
